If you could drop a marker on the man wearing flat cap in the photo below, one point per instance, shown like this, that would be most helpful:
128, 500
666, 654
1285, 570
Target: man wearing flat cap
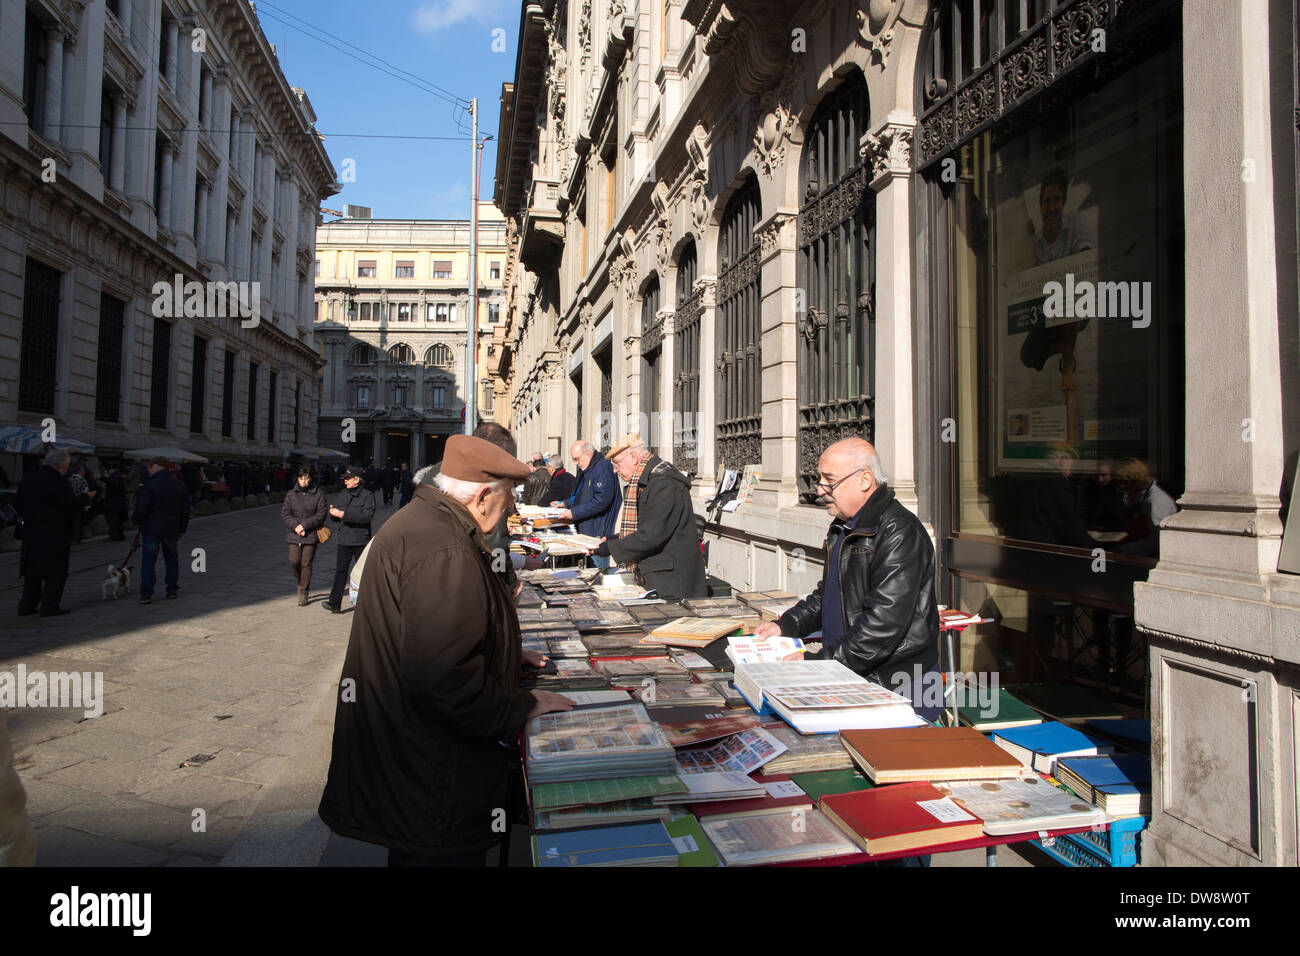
430, 705
656, 532
354, 511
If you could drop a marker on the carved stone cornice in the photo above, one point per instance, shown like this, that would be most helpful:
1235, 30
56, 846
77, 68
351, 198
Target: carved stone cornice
707, 290
1195, 645
697, 172
889, 151
778, 232
751, 32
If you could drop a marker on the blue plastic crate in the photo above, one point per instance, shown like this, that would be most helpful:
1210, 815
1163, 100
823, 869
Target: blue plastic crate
1117, 845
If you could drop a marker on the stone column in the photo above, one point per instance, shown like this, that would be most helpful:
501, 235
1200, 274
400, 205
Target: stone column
205, 97
707, 423
53, 84
667, 394
889, 151
173, 51
779, 485
1220, 620
165, 192
117, 176
201, 243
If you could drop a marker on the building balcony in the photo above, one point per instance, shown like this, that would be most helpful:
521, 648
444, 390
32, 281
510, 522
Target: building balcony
543, 229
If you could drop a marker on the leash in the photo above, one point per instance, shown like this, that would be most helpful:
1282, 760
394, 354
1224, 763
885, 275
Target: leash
134, 544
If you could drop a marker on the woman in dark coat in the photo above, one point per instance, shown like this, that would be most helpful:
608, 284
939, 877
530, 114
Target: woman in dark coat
303, 511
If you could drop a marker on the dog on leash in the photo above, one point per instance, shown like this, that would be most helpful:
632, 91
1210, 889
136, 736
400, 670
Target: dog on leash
117, 583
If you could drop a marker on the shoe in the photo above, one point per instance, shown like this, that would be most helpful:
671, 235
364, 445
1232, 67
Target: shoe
171, 595
145, 599
331, 608
56, 612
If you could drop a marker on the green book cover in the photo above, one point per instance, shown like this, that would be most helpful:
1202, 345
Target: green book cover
1007, 708
817, 785
1066, 702
686, 833
577, 793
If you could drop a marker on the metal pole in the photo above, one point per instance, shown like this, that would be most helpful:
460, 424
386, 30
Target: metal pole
471, 334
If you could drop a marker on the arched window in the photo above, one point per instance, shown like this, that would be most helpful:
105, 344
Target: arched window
837, 222
401, 355
686, 360
362, 354
739, 362
439, 355
652, 338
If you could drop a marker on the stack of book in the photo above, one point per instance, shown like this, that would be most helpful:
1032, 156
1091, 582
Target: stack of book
821, 696
1066, 702
671, 693
567, 674
617, 800
692, 631
1120, 784
755, 839
1039, 746
594, 743
631, 673
1006, 711
807, 753
769, 605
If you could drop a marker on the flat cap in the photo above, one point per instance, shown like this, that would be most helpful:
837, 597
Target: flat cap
473, 459
352, 471
630, 440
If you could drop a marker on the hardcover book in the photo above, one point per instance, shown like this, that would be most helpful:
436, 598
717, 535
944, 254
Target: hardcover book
903, 754
1021, 805
1039, 746
638, 844
599, 742
1066, 702
691, 631
1118, 783
580, 793
692, 845
910, 816
755, 839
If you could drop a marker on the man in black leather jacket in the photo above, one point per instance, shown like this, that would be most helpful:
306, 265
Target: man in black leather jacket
875, 605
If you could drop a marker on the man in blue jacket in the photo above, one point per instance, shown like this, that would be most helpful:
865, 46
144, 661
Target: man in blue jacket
595, 502
163, 514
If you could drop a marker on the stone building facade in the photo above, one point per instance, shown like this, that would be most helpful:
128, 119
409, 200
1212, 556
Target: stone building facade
749, 229
141, 141
392, 298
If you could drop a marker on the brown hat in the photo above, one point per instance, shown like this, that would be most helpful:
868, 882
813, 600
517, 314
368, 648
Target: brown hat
473, 459
630, 440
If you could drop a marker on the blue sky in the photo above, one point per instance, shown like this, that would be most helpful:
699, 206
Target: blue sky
446, 43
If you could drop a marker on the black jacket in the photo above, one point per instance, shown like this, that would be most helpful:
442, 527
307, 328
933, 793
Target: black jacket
306, 507
561, 487
163, 508
114, 493
47, 506
886, 569
423, 745
358, 506
665, 546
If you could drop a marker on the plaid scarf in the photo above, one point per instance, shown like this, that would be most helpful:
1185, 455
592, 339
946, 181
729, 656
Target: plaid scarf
627, 521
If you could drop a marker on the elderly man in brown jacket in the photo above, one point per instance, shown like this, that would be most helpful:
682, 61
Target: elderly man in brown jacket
17, 842
430, 704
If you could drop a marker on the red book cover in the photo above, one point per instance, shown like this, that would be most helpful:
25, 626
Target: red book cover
900, 817
756, 804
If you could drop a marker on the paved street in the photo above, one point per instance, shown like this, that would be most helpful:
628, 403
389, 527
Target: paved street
232, 669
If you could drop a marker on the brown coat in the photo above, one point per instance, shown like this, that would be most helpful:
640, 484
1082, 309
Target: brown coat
421, 753
17, 842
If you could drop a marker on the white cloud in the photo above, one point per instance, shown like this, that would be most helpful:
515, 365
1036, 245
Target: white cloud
432, 17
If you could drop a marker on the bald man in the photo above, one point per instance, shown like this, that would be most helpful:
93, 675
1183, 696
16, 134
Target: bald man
875, 605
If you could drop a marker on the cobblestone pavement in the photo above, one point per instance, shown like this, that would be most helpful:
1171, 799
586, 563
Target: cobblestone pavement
233, 668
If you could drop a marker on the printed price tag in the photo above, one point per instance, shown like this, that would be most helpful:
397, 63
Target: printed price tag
685, 844
783, 788
945, 811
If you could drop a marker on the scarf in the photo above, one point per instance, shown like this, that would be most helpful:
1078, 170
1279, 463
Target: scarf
627, 520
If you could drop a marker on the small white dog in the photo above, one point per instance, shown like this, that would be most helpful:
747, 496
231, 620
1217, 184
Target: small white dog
117, 583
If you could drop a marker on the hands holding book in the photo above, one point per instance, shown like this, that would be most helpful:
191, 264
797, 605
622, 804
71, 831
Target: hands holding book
768, 629
548, 702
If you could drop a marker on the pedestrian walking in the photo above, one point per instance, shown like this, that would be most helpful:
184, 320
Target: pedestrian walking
82, 491
115, 503
388, 481
48, 508
303, 512
163, 514
354, 511
406, 484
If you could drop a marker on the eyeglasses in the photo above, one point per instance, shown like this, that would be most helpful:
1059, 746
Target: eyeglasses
830, 488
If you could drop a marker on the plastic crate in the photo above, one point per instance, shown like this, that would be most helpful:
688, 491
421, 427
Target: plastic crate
1118, 845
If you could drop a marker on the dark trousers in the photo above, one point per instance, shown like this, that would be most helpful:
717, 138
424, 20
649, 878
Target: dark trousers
343, 558
149, 560
388, 496
300, 559
472, 858
115, 517
42, 593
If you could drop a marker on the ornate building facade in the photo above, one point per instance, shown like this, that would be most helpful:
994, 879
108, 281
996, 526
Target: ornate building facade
392, 300
142, 141
749, 229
